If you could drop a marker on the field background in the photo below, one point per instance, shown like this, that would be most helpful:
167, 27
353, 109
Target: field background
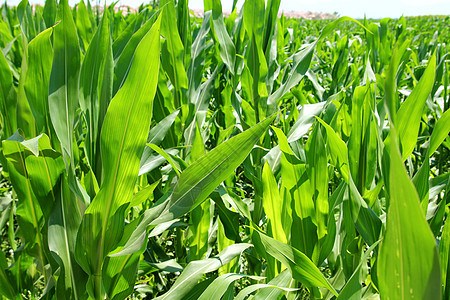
155, 153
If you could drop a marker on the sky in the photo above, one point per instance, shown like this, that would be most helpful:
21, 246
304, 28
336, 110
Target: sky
351, 8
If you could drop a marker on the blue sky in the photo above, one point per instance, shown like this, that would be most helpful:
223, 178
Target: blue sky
351, 8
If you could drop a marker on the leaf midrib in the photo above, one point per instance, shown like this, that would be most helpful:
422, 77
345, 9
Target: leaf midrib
116, 170
201, 180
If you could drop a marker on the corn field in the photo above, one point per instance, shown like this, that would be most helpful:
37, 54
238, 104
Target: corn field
156, 154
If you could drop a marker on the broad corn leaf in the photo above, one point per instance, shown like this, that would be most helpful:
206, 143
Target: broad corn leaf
123, 138
408, 266
220, 285
195, 270
96, 79
125, 59
29, 213
172, 51
410, 111
205, 174
227, 49
63, 226
63, 90
44, 169
272, 203
40, 54
7, 104
440, 132
300, 266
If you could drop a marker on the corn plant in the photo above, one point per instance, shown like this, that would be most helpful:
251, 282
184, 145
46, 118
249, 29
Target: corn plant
151, 153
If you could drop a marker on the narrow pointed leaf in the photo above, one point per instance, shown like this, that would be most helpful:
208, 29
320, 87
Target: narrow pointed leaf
63, 91
195, 270
62, 231
440, 132
204, 175
300, 266
272, 204
410, 111
220, 285
408, 265
40, 54
96, 88
123, 138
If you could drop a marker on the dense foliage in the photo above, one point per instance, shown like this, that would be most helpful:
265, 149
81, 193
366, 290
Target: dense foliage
158, 154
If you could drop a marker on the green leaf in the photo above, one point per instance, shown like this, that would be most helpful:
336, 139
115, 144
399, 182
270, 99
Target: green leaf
272, 203
229, 219
410, 111
220, 285
200, 217
200, 223
302, 60
359, 149
353, 287
84, 24
200, 98
198, 146
6, 287
40, 54
62, 233
366, 221
123, 138
96, 79
7, 103
440, 132
166, 157
124, 37
408, 265
121, 266
298, 207
28, 212
205, 174
63, 90
338, 150
301, 126
142, 195
300, 266
256, 61
254, 287
156, 136
316, 159
284, 279
44, 170
120, 275
195, 270
422, 183
444, 255
25, 119
198, 49
123, 63
153, 160
390, 97
227, 50
49, 12
159, 131
172, 50
184, 28
25, 16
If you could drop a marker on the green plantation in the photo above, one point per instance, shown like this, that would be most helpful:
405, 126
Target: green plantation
157, 154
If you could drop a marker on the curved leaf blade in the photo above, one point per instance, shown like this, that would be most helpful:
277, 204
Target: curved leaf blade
63, 89
408, 265
123, 138
205, 174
